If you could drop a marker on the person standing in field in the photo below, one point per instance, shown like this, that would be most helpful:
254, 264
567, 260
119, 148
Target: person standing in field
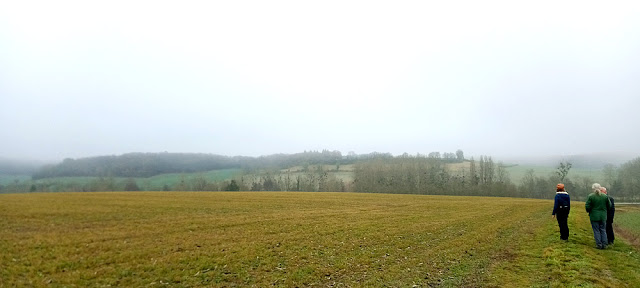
561, 208
610, 213
597, 206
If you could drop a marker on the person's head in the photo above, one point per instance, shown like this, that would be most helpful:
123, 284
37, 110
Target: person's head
596, 188
603, 190
559, 187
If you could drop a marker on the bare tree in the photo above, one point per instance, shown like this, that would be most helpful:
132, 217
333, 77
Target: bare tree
563, 169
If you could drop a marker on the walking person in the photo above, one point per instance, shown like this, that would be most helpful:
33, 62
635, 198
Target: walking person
610, 213
597, 206
561, 207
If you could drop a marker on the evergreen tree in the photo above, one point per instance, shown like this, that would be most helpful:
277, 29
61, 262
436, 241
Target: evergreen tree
233, 186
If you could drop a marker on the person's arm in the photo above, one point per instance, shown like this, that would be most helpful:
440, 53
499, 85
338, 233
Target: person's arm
613, 210
587, 205
613, 205
555, 205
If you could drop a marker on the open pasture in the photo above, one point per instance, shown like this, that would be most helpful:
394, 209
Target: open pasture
627, 223
287, 239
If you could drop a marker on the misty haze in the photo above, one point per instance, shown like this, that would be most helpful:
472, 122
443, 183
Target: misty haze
466, 112
495, 79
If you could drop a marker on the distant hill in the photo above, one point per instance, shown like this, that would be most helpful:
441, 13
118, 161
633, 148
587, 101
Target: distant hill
18, 167
151, 164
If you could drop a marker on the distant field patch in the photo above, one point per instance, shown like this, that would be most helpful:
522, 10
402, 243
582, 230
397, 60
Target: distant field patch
342, 172
157, 182
343, 168
459, 166
12, 179
244, 239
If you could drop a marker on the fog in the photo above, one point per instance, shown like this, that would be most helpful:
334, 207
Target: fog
500, 78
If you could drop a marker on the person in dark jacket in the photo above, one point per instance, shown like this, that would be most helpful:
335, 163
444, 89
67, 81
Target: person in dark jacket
561, 208
610, 213
597, 206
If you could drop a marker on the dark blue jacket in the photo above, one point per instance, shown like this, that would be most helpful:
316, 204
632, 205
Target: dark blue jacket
563, 201
612, 211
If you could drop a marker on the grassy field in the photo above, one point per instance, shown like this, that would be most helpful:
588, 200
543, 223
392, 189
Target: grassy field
286, 239
627, 223
158, 181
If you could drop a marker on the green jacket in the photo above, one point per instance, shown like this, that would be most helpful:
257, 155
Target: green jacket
597, 206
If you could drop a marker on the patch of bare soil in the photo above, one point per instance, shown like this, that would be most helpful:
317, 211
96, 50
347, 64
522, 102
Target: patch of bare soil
628, 236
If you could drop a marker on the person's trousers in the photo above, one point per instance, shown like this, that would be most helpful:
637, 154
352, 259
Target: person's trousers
610, 236
562, 216
600, 233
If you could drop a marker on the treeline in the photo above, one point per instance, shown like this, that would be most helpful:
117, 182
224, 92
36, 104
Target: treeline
424, 175
316, 179
622, 183
137, 165
151, 164
58, 185
309, 179
430, 175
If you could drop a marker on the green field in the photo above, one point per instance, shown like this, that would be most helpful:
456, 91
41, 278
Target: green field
286, 239
627, 223
154, 183
158, 181
10, 179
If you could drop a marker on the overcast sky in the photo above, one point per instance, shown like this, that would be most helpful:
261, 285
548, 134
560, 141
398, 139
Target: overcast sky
88, 78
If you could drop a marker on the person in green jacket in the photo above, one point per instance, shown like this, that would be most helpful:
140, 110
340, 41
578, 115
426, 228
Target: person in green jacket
597, 206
